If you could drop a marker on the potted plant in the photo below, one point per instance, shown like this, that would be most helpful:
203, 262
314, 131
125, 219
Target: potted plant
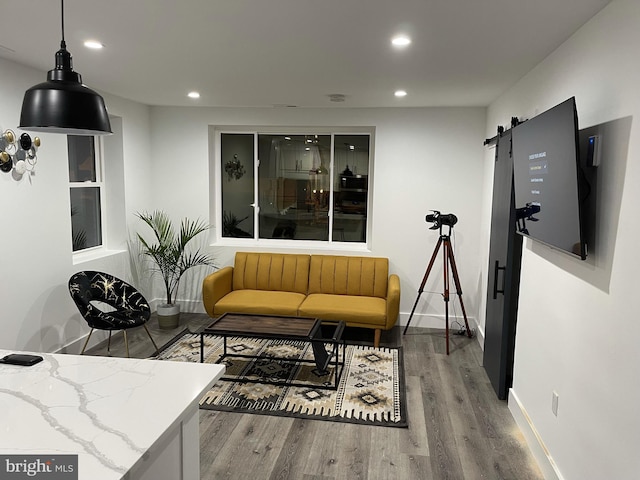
172, 256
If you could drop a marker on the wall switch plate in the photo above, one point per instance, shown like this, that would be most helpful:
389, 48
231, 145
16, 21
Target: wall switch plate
554, 403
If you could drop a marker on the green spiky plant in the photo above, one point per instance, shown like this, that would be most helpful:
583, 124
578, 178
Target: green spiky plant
169, 251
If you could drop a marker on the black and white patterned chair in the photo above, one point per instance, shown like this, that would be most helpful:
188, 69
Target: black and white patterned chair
108, 303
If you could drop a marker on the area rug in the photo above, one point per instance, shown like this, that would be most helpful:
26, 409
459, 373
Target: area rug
371, 390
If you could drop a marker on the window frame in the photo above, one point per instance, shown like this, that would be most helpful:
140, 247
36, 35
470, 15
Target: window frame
98, 147
256, 241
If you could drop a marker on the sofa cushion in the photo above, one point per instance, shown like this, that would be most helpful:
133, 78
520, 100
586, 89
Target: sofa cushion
366, 276
354, 309
259, 301
271, 271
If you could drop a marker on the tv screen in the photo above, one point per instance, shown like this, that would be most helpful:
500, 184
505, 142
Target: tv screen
546, 183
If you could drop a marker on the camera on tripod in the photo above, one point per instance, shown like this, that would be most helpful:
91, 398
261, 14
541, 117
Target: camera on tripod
439, 219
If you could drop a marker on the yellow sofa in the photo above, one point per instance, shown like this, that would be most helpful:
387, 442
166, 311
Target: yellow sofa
358, 290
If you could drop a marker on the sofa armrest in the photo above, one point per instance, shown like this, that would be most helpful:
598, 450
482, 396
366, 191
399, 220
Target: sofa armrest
393, 300
215, 286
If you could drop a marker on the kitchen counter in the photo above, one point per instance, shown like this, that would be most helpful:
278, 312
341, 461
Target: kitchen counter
125, 418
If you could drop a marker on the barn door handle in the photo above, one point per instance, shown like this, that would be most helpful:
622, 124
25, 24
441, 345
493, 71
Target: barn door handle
495, 280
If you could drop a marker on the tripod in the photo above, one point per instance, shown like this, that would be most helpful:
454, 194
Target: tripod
449, 261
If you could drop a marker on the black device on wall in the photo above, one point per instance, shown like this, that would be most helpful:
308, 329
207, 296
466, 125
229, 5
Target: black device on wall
546, 169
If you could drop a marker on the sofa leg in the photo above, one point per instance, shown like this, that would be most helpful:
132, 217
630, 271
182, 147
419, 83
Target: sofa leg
376, 338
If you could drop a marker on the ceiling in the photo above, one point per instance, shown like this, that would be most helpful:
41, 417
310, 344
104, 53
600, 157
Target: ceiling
295, 52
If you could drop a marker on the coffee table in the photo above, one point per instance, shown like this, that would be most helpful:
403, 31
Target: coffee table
281, 328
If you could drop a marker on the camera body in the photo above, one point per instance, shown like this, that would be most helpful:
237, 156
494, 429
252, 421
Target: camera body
439, 219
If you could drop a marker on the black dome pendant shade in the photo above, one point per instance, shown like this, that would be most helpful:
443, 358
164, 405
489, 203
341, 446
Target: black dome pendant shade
63, 104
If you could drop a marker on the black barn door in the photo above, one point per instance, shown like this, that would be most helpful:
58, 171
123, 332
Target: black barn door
504, 274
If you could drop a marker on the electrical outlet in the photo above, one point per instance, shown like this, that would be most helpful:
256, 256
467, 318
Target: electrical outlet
554, 403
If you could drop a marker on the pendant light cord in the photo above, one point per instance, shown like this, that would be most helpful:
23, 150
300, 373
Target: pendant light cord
64, 63
62, 21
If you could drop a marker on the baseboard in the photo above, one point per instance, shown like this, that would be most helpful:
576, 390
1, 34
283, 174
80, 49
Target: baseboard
536, 445
75, 347
188, 306
479, 334
422, 320
438, 321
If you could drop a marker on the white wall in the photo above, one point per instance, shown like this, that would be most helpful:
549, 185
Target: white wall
425, 158
36, 262
577, 320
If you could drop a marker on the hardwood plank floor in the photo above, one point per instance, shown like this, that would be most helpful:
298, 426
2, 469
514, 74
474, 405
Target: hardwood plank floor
458, 429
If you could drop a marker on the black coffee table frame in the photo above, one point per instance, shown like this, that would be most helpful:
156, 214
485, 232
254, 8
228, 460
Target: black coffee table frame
281, 328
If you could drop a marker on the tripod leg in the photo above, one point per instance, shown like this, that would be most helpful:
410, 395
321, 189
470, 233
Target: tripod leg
424, 281
446, 323
445, 269
412, 311
456, 281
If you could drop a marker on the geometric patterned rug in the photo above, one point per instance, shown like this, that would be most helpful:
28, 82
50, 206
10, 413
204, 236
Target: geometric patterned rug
371, 390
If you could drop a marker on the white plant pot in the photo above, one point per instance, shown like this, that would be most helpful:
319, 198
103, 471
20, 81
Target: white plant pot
168, 316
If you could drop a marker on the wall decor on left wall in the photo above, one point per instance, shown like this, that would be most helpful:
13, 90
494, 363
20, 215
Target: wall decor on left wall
18, 155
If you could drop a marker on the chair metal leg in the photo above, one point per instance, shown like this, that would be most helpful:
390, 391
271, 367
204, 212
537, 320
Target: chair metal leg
109, 343
152, 341
86, 342
126, 342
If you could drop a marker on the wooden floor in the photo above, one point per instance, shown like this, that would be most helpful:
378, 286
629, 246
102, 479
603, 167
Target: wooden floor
458, 429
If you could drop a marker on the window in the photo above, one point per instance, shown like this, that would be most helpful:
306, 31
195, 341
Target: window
312, 186
85, 180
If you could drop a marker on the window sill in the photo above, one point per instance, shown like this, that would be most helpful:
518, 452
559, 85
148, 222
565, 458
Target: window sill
309, 245
100, 253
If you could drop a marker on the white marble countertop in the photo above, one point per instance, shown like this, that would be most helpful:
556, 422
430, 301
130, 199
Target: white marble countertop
109, 411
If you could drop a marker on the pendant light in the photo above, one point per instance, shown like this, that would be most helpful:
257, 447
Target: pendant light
63, 104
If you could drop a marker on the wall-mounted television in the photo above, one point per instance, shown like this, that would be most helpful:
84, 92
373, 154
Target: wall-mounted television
546, 170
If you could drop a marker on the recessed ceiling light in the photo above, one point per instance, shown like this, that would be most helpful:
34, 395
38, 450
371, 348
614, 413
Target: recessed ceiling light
400, 41
94, 44
400, 93
193, 95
